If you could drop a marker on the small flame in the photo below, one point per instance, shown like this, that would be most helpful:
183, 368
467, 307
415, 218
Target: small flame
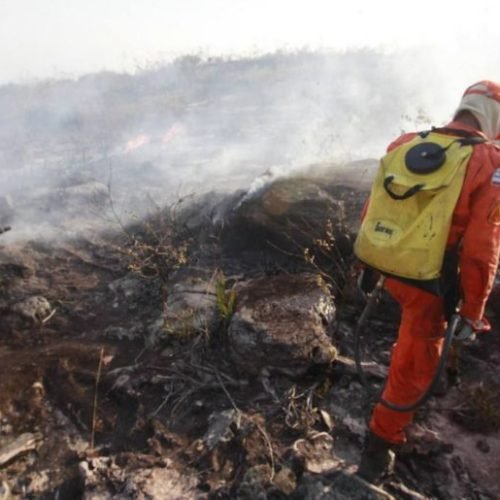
175, 130
137, 142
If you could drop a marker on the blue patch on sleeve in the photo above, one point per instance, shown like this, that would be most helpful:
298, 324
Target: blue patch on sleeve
495, 178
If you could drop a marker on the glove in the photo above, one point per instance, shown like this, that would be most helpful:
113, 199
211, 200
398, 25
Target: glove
467, 328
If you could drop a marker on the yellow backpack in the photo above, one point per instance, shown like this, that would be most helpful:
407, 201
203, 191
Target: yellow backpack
407, 223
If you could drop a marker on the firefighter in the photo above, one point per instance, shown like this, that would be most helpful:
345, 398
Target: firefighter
475, 237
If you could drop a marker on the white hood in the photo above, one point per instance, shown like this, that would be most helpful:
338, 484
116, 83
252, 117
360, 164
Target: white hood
485, 106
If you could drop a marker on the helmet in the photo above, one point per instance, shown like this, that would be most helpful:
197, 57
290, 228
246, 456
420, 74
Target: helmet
483, 100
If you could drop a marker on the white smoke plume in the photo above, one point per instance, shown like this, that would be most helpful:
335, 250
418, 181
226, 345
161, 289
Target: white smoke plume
197, 125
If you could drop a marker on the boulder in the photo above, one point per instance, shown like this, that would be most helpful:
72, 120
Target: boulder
191, 306
281, 323
288, 214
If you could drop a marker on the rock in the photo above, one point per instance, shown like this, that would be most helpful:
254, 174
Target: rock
33, 309
280, 324
316, 453
288, 213
191, 307
219, 428
134, 291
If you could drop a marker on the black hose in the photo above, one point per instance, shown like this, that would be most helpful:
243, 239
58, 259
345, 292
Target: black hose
370, 305
448, 339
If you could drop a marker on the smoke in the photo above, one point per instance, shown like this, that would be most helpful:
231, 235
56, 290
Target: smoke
197, 125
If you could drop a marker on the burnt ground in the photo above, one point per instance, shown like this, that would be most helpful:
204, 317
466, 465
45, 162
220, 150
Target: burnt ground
112, 397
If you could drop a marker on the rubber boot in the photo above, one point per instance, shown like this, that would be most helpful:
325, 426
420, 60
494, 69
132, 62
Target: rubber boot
377, 459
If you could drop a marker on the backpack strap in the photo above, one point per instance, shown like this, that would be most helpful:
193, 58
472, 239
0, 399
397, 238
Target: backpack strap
408, 194
468, 138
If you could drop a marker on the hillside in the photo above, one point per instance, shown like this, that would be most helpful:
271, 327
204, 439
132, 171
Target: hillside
177, 303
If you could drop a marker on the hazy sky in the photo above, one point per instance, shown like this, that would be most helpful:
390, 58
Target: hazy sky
54, 38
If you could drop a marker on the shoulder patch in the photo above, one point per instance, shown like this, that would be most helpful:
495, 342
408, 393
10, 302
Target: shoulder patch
495, 178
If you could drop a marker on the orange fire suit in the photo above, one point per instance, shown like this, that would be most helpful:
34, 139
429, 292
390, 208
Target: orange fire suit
476, 231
